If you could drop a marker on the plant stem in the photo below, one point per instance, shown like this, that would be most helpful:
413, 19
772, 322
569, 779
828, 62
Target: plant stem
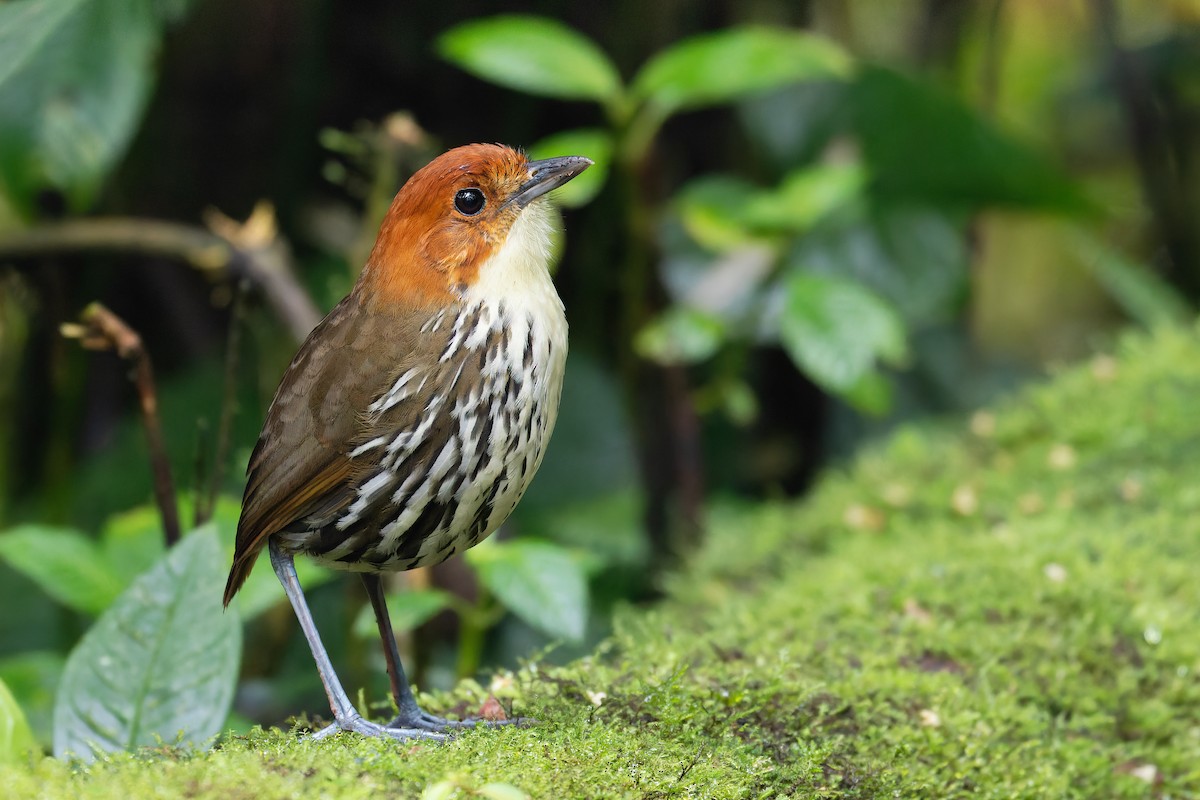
101, 329
659, 398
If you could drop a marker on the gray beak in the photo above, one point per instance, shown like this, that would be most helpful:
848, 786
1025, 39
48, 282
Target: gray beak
548, 174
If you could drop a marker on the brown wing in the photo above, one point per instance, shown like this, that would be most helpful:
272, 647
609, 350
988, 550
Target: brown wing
300, 465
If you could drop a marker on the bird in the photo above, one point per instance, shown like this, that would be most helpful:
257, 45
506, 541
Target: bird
413, 417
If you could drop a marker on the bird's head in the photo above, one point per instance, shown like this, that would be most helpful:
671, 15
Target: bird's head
454, 215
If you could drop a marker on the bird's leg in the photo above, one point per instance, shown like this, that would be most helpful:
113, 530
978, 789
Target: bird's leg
406, 703
346, 716
409, 714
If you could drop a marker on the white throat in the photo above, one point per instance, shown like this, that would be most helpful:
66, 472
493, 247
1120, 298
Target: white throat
517, 276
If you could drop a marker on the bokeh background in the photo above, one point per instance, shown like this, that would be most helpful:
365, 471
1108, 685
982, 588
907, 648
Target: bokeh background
810, 221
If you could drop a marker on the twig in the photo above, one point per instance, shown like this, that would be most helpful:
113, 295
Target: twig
250, 250
198, 248
100, 329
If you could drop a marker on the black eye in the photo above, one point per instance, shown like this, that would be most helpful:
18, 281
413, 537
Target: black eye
469, 201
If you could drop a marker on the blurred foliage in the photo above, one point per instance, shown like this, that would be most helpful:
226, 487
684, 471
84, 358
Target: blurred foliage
16, 739
806, 222
159, 666
65, 122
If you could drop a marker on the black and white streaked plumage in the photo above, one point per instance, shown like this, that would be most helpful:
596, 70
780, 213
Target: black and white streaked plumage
451, 445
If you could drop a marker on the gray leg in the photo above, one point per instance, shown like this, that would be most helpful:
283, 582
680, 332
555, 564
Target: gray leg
409, 714
345, 715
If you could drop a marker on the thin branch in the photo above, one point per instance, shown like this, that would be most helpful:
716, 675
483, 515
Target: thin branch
231, 250
100, 329
200, 249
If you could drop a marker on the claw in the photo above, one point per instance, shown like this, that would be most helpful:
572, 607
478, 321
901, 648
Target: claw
363, 727
425, 721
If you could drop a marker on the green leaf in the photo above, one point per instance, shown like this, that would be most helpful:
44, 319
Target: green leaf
406, 609
541, 583
161, 664
532, 54
914, 257
501, 791
835, 330
16, 739
65, 563
804, 197
75, 76
724, 66
921, 144
712, 210
1142, 294
872, 394
739, 402
680, 335
442, 790
132, 541
591, 142
33, 677
724, 212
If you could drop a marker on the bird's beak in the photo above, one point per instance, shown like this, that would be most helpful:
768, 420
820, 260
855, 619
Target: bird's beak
548, 174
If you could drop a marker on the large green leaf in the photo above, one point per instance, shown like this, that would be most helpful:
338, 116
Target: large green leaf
65, 563
75, 76
541, 583
161, 664
591, 142
532, 54
725, 66
16, 740
922, 144
835, 330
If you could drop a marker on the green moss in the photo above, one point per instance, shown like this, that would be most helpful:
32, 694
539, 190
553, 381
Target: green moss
1005, 610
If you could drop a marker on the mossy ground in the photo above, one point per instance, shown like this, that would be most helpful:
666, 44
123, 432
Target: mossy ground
1007, 610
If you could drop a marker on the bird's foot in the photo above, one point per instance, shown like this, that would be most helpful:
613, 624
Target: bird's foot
423, 720
355, 723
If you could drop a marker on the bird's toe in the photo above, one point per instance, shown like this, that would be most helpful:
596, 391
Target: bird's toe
363, 727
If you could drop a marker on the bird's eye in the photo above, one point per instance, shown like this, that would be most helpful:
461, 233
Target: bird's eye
469, 201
